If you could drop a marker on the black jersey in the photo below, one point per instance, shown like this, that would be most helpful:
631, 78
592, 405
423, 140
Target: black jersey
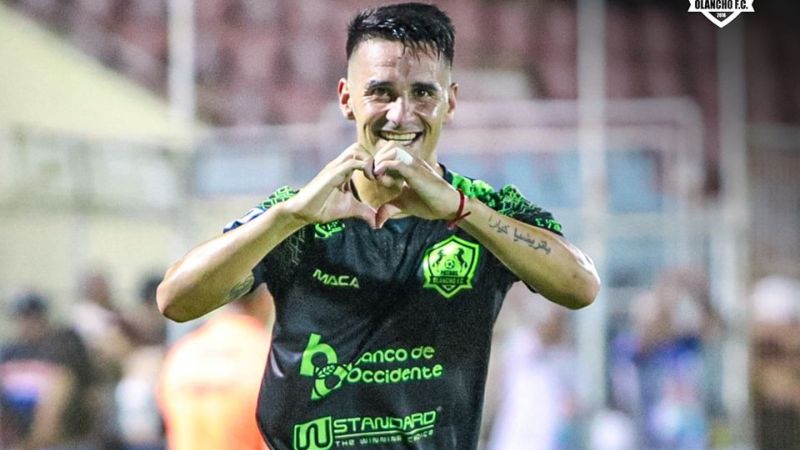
382, 337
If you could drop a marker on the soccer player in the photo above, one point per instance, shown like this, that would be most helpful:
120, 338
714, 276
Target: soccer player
387, 269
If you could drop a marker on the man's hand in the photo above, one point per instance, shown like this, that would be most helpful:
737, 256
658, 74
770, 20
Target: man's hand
421, 191
219, 270
424, 194
328, 197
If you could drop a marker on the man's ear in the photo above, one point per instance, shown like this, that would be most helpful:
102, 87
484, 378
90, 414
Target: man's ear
452, 93
344, 99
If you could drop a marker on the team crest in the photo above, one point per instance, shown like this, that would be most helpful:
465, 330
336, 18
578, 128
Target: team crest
721, 12
449, 266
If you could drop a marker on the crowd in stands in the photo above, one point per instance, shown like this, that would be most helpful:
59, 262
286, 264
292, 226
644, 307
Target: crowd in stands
105, 377
662, 385
84, 382
252, 56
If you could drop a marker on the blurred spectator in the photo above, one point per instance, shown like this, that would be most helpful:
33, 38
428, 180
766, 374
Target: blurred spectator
211, 377
776, 362
612, 430
672, 324
110, 341
146, 324
99, 322
138, 418
539, 407
44, 376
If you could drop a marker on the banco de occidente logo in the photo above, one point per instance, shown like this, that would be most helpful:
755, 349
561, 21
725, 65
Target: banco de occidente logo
382, 366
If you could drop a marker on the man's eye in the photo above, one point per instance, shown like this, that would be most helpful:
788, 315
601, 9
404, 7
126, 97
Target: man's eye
382, 93
423, 93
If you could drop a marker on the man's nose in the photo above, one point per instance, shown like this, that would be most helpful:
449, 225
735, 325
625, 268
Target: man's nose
399, 110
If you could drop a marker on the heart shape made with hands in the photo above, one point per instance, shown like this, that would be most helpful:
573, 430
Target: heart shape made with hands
385, 212
391, 206
394, 195
405, 203
400, 197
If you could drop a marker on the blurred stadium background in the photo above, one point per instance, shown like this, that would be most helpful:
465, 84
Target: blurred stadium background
668, 148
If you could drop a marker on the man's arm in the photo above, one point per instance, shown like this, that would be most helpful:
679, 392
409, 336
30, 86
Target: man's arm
543, 260
220, 270
540, 258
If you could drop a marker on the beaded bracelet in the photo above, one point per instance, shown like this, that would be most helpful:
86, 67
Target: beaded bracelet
460, 214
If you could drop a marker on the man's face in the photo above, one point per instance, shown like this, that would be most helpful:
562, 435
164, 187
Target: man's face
396, 94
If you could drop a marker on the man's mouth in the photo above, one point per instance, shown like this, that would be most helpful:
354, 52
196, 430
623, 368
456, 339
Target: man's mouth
402, 138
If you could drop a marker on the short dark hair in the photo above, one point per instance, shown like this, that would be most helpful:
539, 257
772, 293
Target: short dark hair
418, 26
29, 304
148, 288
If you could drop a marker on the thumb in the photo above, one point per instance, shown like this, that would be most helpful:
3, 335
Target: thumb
385, 212
365, 213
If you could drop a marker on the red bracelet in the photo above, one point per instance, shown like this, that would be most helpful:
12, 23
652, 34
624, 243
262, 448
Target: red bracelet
461, 202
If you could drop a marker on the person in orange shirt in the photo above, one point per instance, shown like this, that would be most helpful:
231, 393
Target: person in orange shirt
208, 389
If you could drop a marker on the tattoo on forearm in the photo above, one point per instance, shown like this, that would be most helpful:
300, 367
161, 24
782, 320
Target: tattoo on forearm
240, 288
536, 244
500, 226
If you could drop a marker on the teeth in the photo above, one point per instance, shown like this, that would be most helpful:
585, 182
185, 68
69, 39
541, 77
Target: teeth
391, 136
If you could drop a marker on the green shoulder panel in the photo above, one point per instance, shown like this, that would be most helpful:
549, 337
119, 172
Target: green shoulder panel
321, 230
509, 201
514, 204
474, 188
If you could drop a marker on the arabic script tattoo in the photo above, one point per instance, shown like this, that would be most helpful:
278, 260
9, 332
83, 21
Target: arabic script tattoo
519, 236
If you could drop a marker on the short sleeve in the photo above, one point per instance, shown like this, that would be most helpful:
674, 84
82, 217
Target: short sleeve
508, 201
278, 265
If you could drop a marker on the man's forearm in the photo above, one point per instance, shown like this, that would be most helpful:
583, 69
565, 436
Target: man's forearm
554, 267
220, 270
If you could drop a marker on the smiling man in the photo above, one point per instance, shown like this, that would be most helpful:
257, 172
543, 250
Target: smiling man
387, 269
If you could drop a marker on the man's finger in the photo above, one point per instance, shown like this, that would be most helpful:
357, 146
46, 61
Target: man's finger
394, 152
365, 213
386, 212
403, 156
393, 166
369, 168
354, 151
339, 174
384, 147
386, 151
